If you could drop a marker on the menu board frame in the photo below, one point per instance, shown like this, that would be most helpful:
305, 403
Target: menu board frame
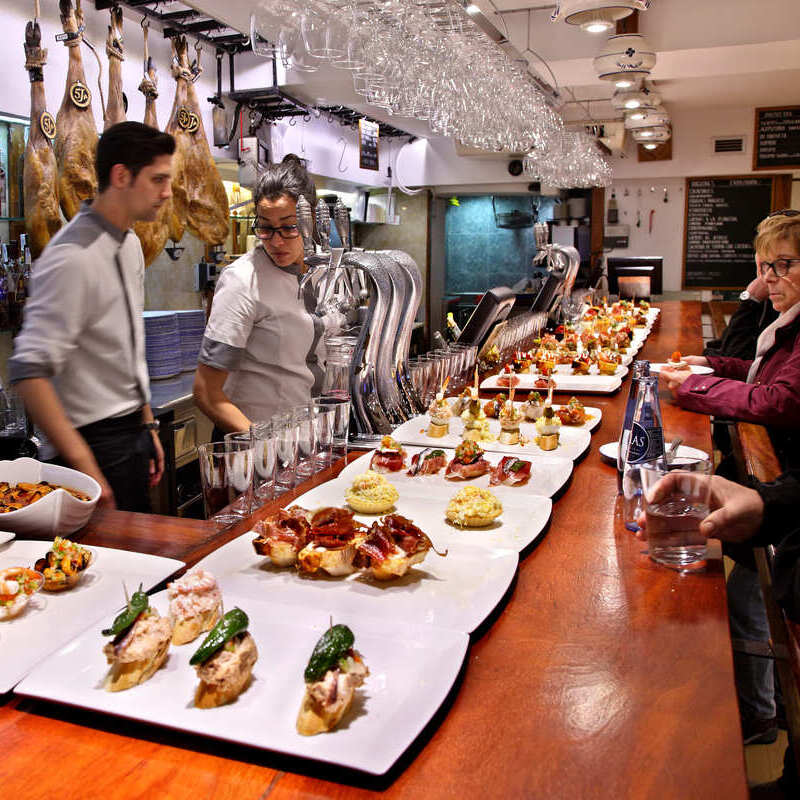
757, 164
368, 144
775, 182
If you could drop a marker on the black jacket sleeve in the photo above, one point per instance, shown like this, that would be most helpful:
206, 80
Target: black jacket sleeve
780, 527
781, 506
739, 337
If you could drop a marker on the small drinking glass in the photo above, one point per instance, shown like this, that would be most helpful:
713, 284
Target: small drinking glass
340, 424
304, 418
323, 428
226, 476
675, 497
265, 448
285, 430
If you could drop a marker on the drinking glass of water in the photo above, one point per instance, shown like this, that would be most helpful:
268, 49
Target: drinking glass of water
675, 498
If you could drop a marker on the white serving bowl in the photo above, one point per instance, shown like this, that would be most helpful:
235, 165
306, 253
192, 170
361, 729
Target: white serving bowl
55, 514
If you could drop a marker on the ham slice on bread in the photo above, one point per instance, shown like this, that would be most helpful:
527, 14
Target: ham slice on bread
511, 471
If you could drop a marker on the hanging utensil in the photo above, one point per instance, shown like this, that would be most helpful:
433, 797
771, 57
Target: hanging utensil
666, 197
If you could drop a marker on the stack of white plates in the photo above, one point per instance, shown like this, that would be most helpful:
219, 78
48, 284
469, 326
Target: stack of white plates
162, 344
191, 326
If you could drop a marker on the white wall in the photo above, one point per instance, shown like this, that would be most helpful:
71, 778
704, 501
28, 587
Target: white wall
692, 155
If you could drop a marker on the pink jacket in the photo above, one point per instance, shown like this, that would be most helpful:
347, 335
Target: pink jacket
772, 400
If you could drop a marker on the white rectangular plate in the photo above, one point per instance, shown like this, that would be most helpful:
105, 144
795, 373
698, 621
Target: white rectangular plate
524, 515
458, 591
548, 475
573, 441
53, 618
574, 384
411, 672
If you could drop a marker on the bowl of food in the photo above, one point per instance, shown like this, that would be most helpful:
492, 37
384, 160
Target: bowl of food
43, 501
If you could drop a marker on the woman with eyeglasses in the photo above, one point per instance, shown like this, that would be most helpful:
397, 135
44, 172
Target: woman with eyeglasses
262, 351
765, 390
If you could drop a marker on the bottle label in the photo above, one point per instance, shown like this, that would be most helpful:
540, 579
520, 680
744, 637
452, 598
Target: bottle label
645, 444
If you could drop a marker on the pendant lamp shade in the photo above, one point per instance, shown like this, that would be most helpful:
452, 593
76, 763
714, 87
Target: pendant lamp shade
646, 118
596, 16
625, 58
645, 98
655, 134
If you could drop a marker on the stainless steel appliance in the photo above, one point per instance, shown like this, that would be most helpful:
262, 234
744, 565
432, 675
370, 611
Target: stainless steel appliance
379, 293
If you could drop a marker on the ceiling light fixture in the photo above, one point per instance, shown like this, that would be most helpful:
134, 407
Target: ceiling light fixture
472, 9
598, 26
625, 57
656, 133
650, 146
646, 118
646, 98
586, 13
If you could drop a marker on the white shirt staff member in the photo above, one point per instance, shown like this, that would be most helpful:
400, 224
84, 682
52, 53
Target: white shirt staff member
79, 362
263, 350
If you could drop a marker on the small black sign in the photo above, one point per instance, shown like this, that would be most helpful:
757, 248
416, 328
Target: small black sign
721, 219
368, 134
777, 138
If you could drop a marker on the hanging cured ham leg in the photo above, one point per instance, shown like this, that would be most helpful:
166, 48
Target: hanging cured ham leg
199, 199
76, 135
153, 235
39, 173
115, 108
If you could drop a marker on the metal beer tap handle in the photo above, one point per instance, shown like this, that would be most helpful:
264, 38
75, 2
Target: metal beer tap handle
305, 222
324, 225
341, 218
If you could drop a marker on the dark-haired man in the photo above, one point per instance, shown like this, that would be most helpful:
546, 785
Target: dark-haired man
79, 361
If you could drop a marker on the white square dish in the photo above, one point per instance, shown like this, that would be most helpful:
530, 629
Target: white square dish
524, 515
52, 619
548, 476
573, 439
412, 669
458, 591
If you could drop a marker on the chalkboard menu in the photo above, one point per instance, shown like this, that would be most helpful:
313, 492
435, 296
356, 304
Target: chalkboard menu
777, 138
368, 133
721, 219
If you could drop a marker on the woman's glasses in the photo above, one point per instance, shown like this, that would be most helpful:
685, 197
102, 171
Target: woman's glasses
780, 266
266, 232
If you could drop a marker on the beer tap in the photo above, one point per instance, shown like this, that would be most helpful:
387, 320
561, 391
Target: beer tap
341, 219
323, 225
312, 260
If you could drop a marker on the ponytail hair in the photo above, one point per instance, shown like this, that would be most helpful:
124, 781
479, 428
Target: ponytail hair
290, 177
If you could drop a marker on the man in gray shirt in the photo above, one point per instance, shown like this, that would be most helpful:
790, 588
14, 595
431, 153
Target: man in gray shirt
79, 361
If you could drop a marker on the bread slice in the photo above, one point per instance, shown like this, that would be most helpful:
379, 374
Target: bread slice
227, 673
187, 629
127, 674
436, 431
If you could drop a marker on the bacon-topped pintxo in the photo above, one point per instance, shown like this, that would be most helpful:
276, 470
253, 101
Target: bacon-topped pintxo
394, 544
332, 542
283, 535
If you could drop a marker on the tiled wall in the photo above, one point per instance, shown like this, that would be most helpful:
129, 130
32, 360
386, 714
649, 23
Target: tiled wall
478, 254
410, 236
168, 284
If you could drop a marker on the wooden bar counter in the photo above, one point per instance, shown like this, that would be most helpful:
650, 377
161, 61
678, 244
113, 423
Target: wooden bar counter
600, 675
